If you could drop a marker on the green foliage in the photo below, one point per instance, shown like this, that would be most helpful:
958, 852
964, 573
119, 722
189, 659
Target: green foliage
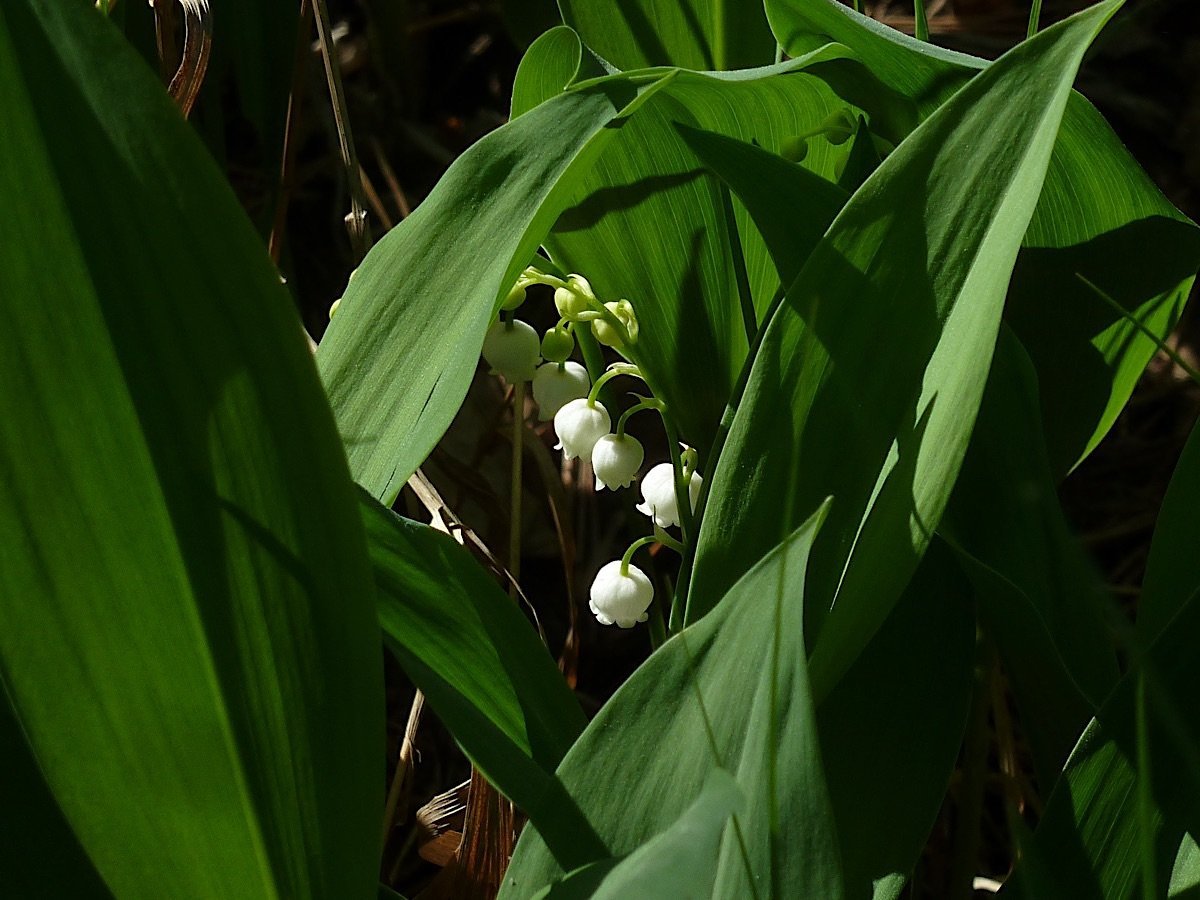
1098, 214
862, 281
882, 424
707, 35
729, 693
187, 637
398, 357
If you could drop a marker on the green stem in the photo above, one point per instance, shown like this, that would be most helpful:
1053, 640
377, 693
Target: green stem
644, 403
682, 497
858, 7
593, 360
514, 520
922, 23
613, 371
1035, 16
633, 548
666, 540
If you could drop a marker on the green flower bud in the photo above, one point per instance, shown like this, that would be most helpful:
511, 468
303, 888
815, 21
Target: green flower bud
557, 344
576, 298
610, 336
840, 127
337, 304
794, 148
515, 297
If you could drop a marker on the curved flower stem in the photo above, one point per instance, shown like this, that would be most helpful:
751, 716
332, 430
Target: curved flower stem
537, 276
612, 372
643, 403
514, 518
633, 548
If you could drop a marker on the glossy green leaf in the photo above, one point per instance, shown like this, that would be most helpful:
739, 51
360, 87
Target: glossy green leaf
1099, 214
468, 647
882, 349
891, 729
650, 224
187, 628
729, 693
1041, 601
707, 35
399, 355
680, 862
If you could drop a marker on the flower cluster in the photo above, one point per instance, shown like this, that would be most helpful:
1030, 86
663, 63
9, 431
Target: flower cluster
621, 593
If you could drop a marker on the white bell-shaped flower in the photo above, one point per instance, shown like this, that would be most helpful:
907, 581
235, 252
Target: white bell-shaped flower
555, 386
579, 425
512, 349
616, 459
621, 598
658, 495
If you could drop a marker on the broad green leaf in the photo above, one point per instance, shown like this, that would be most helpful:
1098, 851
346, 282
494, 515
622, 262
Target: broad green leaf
1040, 600
1099, 215
791, 206
870, 374
707, 35
1185, 873
891, 729
1091, 840
1173, 569
556, 59
399, 355
729, 693
478, 660
649, 224
680, 862
187, 627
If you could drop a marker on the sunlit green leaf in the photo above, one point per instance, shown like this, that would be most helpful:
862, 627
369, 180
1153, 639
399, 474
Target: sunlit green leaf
679, 862
187, 627
1099, 214
729, 693
398, 356
650, 224
882, 350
